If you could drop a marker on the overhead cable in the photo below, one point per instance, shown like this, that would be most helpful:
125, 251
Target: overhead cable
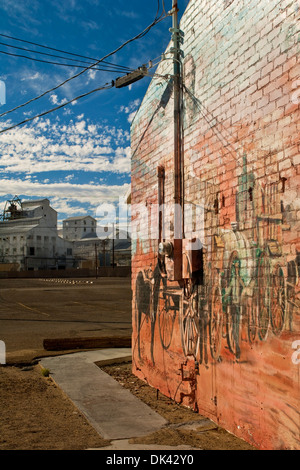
59, 56
107, 86
138, 36
108, 69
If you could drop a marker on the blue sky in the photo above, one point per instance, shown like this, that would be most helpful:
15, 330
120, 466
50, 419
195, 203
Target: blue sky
78, 156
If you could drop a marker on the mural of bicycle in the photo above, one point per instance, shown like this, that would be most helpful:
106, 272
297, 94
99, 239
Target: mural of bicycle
247, 285
252, 284
158, 301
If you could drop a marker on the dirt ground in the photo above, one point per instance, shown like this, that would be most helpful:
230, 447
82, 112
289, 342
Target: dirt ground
185, 426
36, 415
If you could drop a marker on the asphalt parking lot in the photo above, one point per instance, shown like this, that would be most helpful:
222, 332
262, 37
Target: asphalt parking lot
33, 310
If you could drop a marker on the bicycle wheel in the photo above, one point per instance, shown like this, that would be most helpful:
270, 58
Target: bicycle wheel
189, 323
278, 300
234, 288
216, 322
263, 285
251, 308
166, 318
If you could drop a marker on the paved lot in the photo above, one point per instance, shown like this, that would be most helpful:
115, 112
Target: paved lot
33, 310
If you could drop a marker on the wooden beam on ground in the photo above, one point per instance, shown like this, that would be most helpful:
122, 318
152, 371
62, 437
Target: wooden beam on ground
61, 344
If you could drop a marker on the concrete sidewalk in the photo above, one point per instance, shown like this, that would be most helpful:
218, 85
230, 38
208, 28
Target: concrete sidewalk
112, 410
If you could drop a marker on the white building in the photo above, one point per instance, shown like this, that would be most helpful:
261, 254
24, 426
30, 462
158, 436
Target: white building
76, 228
29, 238
92, 244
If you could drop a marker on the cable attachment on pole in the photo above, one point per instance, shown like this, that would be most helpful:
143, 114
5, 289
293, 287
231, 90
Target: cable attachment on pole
132, 77
177, 34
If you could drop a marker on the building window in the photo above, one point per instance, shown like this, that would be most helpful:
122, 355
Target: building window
69, 251
31, 250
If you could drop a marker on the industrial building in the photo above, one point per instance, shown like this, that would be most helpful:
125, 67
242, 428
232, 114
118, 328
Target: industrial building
29, 238
76, 228
215, 211
95, 246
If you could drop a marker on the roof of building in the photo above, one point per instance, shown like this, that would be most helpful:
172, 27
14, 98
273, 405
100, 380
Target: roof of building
35, 201
22, 221
91, 235
32, 208
8, 230
79, 218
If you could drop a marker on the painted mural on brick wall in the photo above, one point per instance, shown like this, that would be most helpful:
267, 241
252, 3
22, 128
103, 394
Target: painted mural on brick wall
224, 337
249, 288
247, 295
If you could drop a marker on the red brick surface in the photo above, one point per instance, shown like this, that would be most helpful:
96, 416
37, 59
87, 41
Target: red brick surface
241, 142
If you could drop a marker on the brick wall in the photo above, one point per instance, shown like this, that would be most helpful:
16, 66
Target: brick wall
225, 344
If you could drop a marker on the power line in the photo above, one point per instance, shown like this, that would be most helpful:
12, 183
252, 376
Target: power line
214, 120
105, 87
59, 56
116, 69
57, 50
138, 36
45, 47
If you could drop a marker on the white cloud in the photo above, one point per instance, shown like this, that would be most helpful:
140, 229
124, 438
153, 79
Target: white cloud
54, 100
92, 74
78, 146
132, 107
35, 76
51, 146
131, 116
89, 193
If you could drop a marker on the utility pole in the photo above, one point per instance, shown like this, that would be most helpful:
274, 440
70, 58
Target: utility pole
177, 105
113, 247
96, 261
178, 167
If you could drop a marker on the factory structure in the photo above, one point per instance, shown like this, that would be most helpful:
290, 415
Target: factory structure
30, 240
